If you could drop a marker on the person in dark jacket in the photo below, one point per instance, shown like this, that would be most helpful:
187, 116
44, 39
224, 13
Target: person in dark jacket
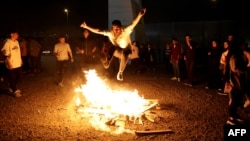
87, 51
175, 58
189, 57
213, 54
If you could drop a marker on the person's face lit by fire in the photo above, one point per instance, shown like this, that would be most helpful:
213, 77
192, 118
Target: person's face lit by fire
214, 44
225, 45
117, 30
62, 40
14, 36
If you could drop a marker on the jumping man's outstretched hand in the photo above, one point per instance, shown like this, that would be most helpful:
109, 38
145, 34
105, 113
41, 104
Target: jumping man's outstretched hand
83, 25
143, 11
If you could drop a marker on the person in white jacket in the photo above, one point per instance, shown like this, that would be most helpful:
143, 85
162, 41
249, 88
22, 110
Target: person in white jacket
63, 54
13, 60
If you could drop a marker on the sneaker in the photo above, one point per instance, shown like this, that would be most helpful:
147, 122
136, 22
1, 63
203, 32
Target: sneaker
174, 78
179, 79
247, 103
234, 121
188, 84
222, 93
120, 76
17, 93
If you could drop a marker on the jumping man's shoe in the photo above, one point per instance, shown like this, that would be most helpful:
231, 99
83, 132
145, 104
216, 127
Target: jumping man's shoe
120, 76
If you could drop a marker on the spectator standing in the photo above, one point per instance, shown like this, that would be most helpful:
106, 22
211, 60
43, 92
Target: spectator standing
213, 55
175, 58
226, 46
87, 51
35, 53
62, 52
25, 54
142, 56
189, 57
150, 57
167, 54
237, 76
13, 59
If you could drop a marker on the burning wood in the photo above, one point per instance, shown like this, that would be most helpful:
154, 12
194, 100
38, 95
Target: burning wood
105, 106
111, 117
154, 132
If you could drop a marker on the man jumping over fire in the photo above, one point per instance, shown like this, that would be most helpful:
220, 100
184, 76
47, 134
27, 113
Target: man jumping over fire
120, 38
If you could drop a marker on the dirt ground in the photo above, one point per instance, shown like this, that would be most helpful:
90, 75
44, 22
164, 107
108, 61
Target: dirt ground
48, 112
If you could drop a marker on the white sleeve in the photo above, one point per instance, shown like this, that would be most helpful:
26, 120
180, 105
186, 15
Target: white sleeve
6, 50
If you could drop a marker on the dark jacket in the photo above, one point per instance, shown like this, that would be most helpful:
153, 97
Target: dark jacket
188, 52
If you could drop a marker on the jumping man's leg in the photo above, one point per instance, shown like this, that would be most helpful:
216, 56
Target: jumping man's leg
123, 62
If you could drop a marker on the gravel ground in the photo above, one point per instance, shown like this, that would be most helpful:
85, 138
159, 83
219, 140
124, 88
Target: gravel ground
48, 112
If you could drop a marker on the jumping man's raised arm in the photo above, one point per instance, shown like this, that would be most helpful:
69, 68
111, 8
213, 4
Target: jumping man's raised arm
137, 19
94, 30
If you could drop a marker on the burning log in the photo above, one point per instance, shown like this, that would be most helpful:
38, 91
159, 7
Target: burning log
152, 103
151, 116
154, 132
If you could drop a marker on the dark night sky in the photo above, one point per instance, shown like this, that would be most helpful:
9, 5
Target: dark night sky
195, 10
41, 14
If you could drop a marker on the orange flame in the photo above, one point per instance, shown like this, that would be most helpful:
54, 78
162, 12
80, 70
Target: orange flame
102, 100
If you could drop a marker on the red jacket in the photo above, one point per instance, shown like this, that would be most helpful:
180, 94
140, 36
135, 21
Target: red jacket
175, 53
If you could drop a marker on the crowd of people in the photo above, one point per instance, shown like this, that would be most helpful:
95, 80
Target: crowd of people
228, 65
228, 69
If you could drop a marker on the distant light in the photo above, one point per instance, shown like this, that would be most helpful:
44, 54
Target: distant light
66, 10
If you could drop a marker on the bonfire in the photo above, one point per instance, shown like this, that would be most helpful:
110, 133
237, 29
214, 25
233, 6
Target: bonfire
105, 106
